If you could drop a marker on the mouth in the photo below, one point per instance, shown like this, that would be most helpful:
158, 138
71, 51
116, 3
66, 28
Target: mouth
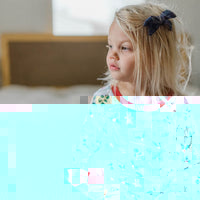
114, 68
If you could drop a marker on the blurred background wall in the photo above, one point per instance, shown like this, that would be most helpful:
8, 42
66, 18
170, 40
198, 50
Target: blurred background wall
28, 16
25, 16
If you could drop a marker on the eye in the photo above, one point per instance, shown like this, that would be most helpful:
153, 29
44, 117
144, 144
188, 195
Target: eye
125, 48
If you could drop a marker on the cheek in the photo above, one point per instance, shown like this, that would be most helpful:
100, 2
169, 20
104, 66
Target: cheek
129, 60
132, 62
129, 66
107, 59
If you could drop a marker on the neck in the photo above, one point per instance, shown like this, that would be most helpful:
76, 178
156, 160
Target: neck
126, 88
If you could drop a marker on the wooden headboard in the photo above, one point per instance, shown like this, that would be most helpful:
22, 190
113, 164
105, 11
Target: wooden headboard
47, 60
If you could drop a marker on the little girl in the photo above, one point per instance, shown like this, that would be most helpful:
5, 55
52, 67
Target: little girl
148, 55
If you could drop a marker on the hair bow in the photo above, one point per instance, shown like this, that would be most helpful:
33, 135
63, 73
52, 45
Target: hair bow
154, 22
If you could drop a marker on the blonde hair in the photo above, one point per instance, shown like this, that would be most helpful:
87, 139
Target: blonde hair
163, 60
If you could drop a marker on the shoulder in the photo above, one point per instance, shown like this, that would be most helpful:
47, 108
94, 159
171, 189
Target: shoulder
102, 94
106, 90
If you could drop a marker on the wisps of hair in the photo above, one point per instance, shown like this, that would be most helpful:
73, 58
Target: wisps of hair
163, 60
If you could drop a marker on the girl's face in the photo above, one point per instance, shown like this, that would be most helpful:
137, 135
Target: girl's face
121, 56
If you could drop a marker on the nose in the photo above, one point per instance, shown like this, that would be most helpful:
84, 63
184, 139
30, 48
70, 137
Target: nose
114, 56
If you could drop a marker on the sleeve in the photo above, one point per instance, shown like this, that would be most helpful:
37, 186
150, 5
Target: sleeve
93, 100
102, 96
97, 93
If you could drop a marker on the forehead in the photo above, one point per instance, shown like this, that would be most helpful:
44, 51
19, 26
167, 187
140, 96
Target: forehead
116, 33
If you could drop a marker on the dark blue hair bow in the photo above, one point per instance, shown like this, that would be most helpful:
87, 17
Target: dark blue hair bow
153, 22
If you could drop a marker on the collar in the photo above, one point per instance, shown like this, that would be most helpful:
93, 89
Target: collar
122, 100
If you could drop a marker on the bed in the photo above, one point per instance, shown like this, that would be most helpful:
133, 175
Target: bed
42, 68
